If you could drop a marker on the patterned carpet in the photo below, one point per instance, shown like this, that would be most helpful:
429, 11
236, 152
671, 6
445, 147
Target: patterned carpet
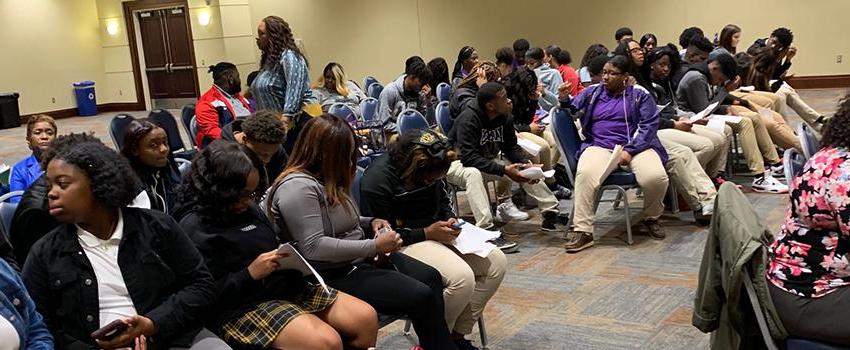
613, 296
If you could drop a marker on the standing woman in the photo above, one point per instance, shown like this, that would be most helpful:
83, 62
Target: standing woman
466, 59
41, 129
146, 147
283, 84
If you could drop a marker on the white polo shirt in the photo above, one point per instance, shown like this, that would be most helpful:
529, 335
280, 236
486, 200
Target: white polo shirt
113, 297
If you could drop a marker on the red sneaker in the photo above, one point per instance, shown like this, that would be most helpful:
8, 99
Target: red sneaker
720, 180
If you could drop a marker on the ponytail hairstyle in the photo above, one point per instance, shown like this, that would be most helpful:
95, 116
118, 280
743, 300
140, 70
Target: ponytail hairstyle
464, 54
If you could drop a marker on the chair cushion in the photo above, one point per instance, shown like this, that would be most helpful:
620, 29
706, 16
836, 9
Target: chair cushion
620, 177
794, 343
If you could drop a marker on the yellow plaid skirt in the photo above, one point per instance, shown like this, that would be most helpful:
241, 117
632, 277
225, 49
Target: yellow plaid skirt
260, 327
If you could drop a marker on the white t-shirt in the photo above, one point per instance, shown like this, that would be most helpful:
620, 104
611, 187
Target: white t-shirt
113, 296
9, 338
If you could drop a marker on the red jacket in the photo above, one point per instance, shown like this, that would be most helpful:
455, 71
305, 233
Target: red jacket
569, 74
211, 113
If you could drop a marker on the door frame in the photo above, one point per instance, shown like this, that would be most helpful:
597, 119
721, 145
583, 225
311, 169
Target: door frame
130, 7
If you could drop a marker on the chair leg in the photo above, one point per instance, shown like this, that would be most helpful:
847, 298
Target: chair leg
483, 332
674, 199
617, 201
455, 205
407, 325
628, 213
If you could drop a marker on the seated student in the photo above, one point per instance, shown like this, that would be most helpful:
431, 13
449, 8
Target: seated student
592, 52
407, 186
311, 203
504, 60
547, 76
710, 146
467, 58
696, 53
21, 326
406, 92
611, 111
485, 139
249, 95
631, 50
807, 263
685, 39
730, 36
464, 94
146, 147
520, 47
41, 130
624, 33
439, 73
31, 221
594, 69
107, 262
695, 93
648, 42
562, 60
260, 304
334, 87
262, 133
221, 104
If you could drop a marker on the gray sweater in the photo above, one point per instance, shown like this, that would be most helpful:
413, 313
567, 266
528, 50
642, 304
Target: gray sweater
329, 237
694, 93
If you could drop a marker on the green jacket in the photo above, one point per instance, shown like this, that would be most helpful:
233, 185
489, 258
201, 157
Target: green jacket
737, 239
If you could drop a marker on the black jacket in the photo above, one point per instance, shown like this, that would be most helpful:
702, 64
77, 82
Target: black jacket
781, 66
279, 159
663, 93
384, 195
227, 251
461, 99
31, 220
160, 185
479, 140
164, 273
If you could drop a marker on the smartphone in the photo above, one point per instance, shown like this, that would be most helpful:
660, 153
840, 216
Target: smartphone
458, 224
110, 331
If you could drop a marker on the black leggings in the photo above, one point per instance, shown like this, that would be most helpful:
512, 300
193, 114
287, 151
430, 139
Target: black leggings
416, 293
824, 319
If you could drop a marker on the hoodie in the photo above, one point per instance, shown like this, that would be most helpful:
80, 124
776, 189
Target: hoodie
461, 98
695, 92
479, 140
393, 100
549, 77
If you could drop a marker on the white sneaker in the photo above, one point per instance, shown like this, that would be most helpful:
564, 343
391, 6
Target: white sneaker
708, 209
769, 184
777, 171
507, 211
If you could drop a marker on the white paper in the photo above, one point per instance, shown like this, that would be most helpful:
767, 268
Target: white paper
726, 118
536, 173
530, 147
544, 120
748, 88
142, 201
473, 240
294, 261
716, 124
659, 108
613, 161
705, 112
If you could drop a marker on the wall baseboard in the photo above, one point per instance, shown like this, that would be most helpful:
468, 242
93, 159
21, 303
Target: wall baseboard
820, 81
101, 108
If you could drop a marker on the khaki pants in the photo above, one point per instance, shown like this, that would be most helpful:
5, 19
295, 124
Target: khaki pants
472, 180
781, 134
765, 99
686, 174
754, 139
469, 280
788, 97
547, 150
710, 146
649, 173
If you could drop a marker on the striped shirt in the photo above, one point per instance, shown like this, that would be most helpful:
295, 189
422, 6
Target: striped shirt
283, 86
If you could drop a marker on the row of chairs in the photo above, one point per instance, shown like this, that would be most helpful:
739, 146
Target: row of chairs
182, 153
374, 88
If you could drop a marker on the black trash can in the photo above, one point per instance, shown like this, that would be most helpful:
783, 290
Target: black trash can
10, 115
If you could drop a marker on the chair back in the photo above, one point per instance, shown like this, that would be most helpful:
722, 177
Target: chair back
166, 120
410, 120
369, 108
193, 125
343, 111
7, 210
444, 117
186, 115
374, 90
808, 140
566, 136
444, 91
355, 186
183, 166
369, 80
117, 126
793, 162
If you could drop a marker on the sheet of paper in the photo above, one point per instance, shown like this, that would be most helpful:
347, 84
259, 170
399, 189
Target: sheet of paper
536, 173
294, 261
544, 119
726, 118
658, 108
705, 112
749, 88
473, 240
530, 147
716, 124
613, 161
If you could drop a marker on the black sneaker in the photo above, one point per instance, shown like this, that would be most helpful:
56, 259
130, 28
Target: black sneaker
561, 192
551, 220
578, 241
654, 228
505, 245
464, 344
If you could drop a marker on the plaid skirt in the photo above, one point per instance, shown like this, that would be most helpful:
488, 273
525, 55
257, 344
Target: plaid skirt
260, 326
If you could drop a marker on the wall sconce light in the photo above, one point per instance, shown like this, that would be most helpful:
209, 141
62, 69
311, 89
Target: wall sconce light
204, 18
112, 27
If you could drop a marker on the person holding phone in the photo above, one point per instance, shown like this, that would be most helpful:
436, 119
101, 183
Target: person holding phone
260, 304
407, 187
108, 262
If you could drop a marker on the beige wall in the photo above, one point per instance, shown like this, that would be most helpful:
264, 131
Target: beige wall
47, 45
375, 36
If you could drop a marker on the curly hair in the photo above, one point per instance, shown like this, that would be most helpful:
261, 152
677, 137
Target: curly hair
784, 36
280, 40
687, 34
113, 183
38, 118
591, 52
218, 176
836, 132
520, 85
264, 126
505, 55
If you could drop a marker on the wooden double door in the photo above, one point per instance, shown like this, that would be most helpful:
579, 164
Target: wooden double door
169, 57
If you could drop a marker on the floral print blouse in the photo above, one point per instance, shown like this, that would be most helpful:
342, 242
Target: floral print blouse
810, 255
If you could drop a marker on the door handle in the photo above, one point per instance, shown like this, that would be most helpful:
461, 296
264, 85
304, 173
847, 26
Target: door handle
160, 69
173, 68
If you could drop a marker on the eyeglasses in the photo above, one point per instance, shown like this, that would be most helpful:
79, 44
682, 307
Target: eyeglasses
611, 73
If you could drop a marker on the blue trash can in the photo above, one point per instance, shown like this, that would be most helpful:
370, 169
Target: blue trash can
86, 101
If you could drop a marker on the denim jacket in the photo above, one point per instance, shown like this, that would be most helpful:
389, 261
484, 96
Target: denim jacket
17, 307
164, 273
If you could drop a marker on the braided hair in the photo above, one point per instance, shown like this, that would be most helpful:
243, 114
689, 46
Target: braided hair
280, 40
